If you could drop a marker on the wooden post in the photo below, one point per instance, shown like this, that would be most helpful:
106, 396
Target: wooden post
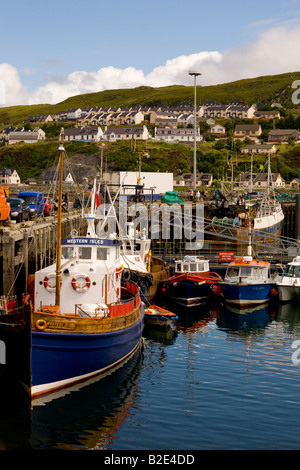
8, 263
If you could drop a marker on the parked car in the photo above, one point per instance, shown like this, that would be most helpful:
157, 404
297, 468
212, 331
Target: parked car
19, 209
35, 200
50, 206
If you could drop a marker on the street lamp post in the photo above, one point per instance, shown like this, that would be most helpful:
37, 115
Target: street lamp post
195, 74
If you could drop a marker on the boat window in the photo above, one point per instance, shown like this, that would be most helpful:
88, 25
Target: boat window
296, 271
193, 267
185, 267
102, 254
246, 271
260, 273
232, 272
292, 271
67, 252
287, 271
84, 252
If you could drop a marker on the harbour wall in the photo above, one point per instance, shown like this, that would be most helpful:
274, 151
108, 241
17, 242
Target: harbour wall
27, 247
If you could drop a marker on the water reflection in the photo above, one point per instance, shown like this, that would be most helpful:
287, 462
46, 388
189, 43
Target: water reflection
86, 416
204, 368
165, 336
289, 316
193, 318
245, 320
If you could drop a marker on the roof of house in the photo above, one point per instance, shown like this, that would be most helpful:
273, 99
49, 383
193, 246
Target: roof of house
123, 130
264, 177
7, 171
247, 127
283, 131
258, 146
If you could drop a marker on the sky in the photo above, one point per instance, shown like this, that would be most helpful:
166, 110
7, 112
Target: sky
52, 50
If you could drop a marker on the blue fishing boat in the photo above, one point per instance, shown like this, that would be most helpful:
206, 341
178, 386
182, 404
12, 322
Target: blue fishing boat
247, 282
84, 321
192, 281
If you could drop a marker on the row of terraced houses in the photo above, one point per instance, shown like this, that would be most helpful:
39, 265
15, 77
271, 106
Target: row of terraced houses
171, 124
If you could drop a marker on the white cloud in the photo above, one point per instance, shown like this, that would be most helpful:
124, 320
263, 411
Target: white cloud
12, 90
273, 51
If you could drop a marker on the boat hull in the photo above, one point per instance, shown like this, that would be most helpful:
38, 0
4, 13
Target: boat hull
158, 317
62, 358
189, 292
246, 294
288, 293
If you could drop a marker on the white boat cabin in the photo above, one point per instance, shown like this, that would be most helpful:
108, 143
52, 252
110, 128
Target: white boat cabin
90, 274
292, 270
248, 270
135, 250
192, 264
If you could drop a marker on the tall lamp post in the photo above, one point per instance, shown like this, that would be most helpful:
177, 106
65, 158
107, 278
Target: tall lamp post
195, 73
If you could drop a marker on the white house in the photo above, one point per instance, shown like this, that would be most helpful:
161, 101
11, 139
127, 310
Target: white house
9, 176
29, 137
113, 134
73, 114
87, 134
252, 131
259, 149
51, 177
177, 135
283, 135
218, 130
295, 183
134, 117
186, 180
275, 180
185, 119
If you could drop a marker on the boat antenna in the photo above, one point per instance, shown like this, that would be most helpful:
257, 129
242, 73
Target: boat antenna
59, 217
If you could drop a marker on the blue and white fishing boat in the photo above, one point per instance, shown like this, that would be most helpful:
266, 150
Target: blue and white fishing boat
247, 282
84, 322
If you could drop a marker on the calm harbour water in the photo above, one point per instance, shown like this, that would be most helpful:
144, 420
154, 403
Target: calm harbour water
218, 380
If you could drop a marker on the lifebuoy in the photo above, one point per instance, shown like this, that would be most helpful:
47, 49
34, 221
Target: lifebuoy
50, 287
126, 274
41, 324
80, 288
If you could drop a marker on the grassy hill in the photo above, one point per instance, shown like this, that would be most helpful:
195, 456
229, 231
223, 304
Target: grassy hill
32, 160
265, 89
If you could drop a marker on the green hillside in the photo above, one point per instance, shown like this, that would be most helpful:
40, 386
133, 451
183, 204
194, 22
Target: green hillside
32, 160
264, 89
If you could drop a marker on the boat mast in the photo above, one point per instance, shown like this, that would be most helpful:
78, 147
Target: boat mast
269, 168
59, 217
251, 174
